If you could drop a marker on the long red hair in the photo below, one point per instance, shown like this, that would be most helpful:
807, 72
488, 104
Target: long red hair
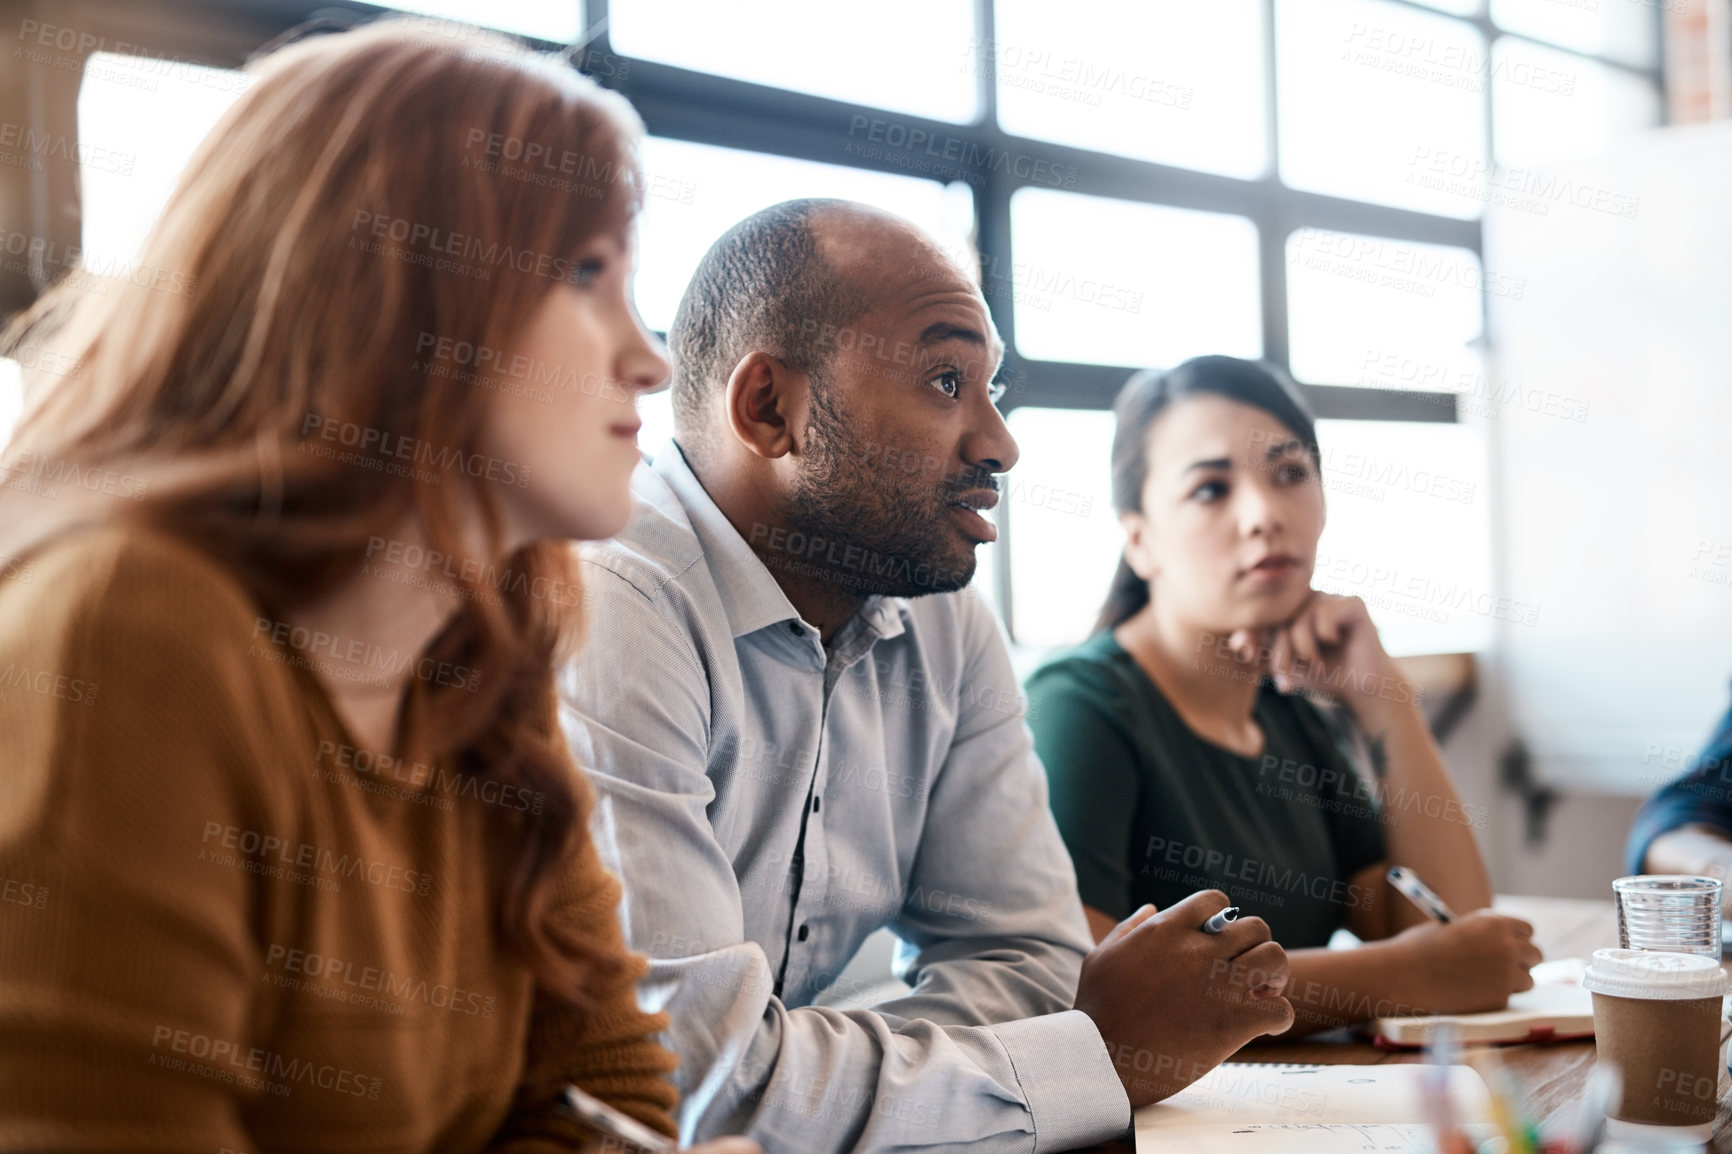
271, 294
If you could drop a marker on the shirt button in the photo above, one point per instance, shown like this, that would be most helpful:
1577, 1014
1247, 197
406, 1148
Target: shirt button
804, 930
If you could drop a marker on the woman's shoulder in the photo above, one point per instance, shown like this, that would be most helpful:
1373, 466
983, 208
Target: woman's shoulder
88, 550
129, 605
1099, 665
131, 686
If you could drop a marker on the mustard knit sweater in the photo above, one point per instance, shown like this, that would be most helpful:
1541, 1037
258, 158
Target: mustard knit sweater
222, 927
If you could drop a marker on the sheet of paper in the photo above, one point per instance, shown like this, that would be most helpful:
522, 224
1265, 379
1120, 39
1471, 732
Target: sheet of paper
1237, 1094
1557, 989
1292, 1138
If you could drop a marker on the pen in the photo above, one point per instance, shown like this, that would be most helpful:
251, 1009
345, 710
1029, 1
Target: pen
1221, 920
1507, 1113
619, 1131
1417, 892
1443, 1052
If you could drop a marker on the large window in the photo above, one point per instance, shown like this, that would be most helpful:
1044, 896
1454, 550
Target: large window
1138, 181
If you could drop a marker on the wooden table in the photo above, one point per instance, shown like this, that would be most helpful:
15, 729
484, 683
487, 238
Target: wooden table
1552, 1075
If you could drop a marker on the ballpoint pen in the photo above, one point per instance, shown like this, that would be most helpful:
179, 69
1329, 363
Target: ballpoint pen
1417, 892
1221, 920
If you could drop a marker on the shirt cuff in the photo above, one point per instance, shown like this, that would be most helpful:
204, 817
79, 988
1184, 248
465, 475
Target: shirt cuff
1074, 1095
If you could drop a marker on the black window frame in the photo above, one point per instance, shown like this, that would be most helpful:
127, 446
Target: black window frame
708, 109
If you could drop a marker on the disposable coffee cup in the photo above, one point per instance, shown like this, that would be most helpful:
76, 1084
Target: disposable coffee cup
1657, 1018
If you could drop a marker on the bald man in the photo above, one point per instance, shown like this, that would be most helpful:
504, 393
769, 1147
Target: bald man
803, 727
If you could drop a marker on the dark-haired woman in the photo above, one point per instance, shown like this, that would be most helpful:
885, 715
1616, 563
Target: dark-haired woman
295, 854
1183, 746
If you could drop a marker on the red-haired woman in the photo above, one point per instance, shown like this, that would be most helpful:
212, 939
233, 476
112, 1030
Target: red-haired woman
293, 852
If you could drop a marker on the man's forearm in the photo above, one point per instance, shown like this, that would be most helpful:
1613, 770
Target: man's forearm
1691, 849
797, 1079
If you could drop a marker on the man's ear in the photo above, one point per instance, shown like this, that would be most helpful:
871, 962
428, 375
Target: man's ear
1139, 550
764, 402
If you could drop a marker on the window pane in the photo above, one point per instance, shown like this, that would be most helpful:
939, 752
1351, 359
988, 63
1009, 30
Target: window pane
1370, 92
1549, 105
1064, 539
1172, 81
904, 55
1458, 7
1380, 313
556, 20
1113, 282
698, 192
1408, 531
1623, 30
153, 113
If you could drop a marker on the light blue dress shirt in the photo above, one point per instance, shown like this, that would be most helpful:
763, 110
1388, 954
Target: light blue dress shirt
769, 805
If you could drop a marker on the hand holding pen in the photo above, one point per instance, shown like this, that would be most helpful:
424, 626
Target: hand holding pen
1221, 920
1171, 1000
1459, 963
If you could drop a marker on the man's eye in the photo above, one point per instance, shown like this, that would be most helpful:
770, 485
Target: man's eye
950, 384
1210, 491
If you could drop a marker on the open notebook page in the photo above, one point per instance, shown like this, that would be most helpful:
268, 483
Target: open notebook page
1255, 1106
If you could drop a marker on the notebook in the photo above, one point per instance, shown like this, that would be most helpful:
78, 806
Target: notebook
1555, 1010
1251, 1107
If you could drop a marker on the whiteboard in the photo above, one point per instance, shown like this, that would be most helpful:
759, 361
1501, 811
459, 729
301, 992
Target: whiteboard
1609, 417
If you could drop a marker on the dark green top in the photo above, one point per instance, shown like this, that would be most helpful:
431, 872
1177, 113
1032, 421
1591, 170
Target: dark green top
1152, 813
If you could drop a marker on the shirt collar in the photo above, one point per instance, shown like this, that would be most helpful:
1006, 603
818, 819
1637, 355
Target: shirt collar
750, 595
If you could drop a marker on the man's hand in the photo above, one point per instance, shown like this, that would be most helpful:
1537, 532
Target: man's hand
1172, 1001
1471, 964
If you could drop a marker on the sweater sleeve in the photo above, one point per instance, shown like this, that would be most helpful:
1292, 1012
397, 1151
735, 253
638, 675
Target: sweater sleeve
129, 720
612, 1053
1702, 795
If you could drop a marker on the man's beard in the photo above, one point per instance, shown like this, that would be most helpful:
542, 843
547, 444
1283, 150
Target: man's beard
868, 525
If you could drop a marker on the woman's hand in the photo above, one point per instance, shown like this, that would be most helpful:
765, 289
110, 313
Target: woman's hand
1330, 645
1471, 964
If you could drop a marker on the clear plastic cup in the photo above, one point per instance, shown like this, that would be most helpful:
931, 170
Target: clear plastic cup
1669, 912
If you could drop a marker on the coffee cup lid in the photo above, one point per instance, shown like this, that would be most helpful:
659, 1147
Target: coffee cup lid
1651, 974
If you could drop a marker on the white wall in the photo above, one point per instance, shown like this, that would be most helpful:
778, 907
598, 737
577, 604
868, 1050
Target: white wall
1618, 526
